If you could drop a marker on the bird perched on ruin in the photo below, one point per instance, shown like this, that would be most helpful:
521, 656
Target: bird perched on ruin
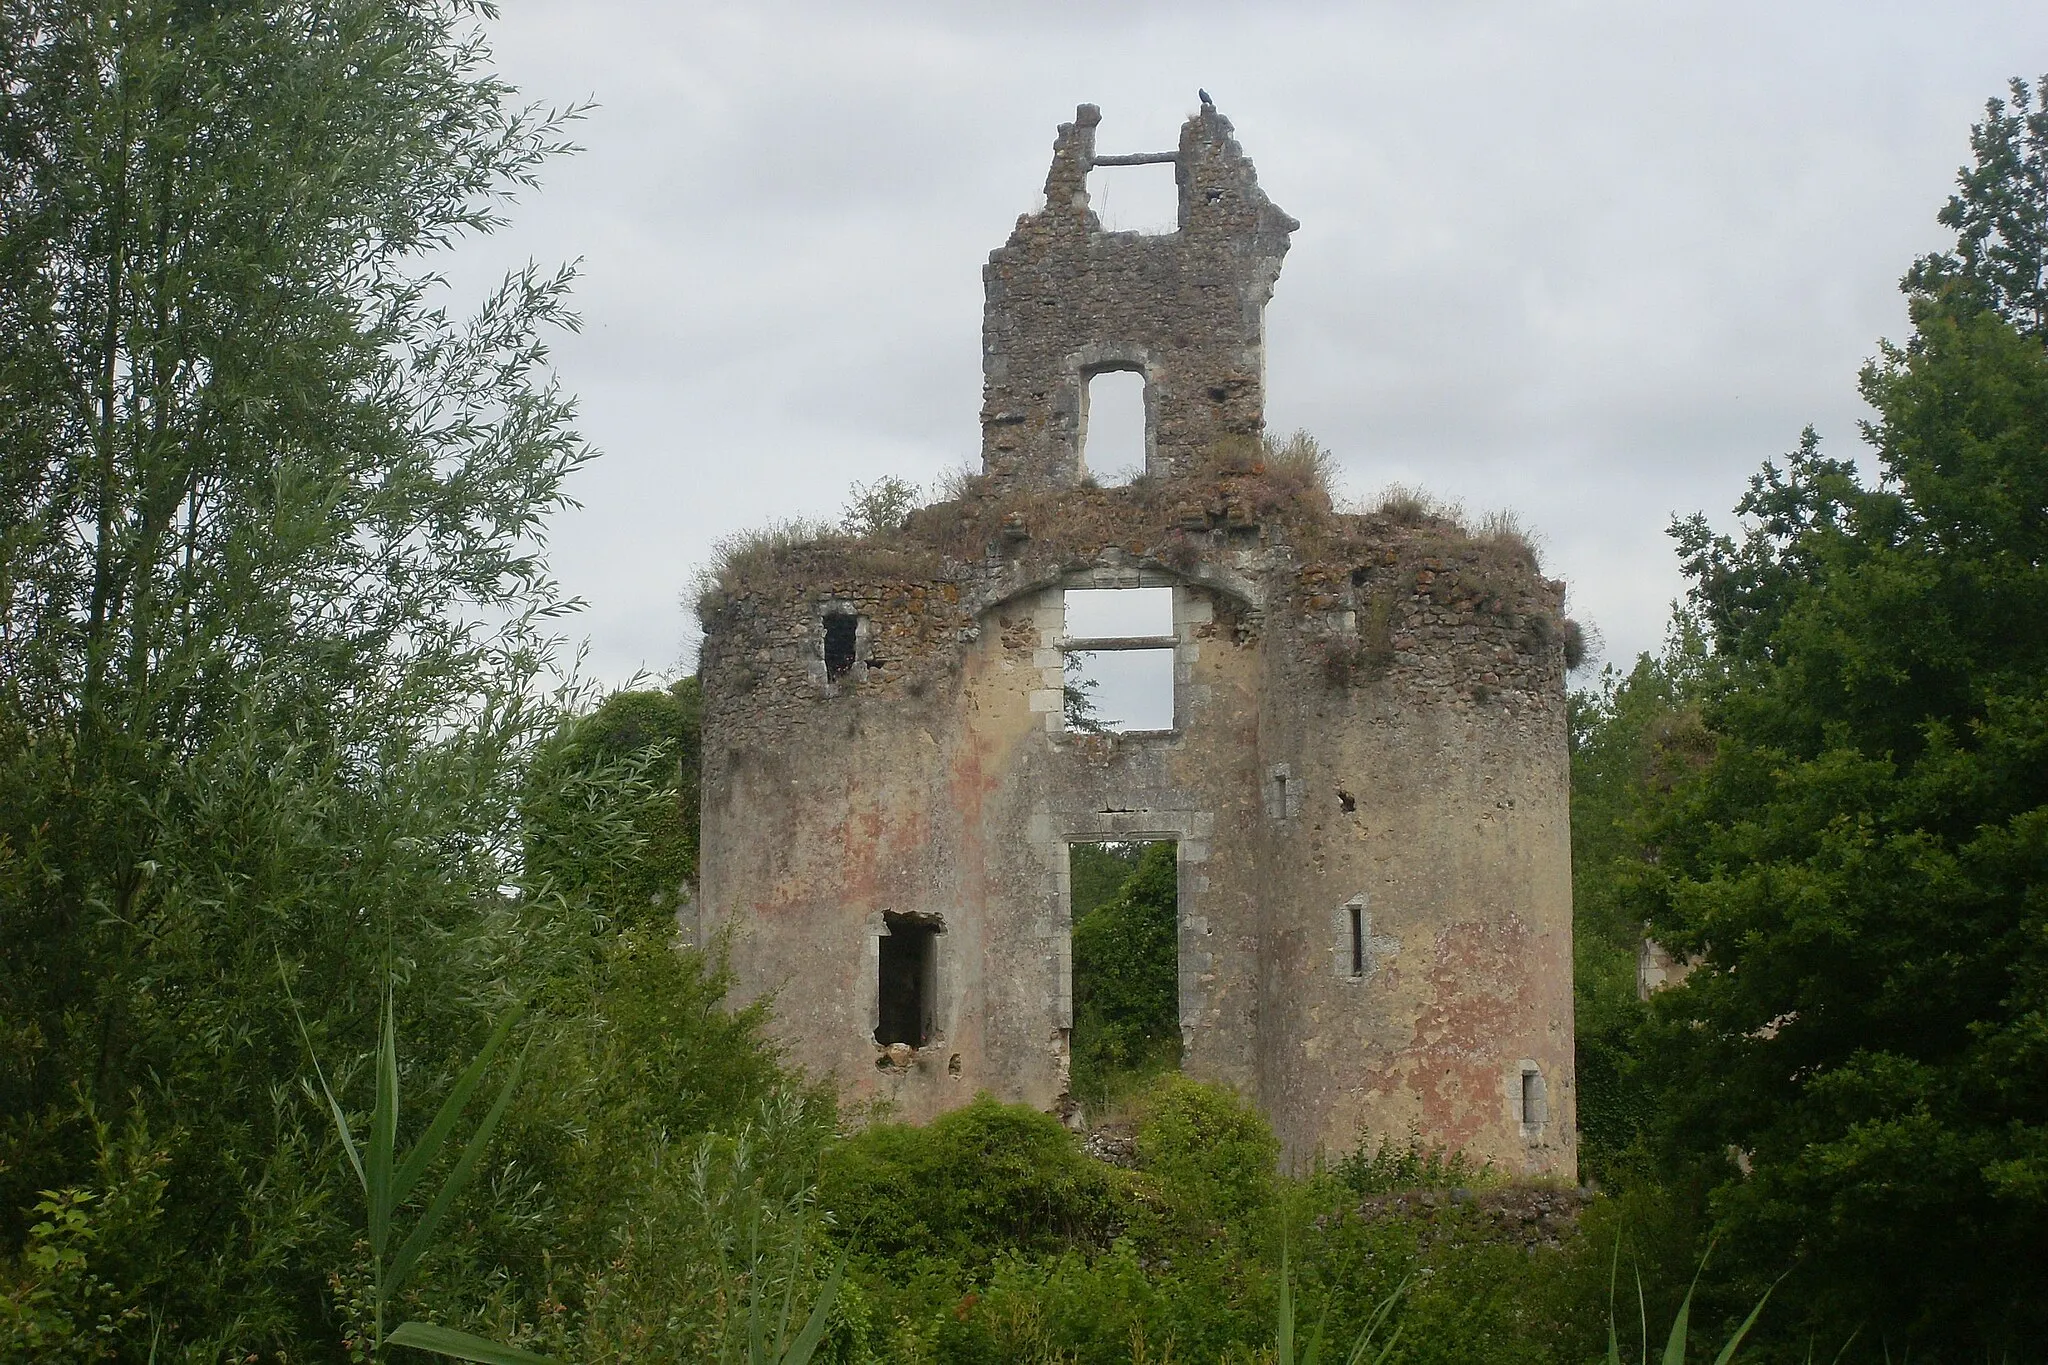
1207, 103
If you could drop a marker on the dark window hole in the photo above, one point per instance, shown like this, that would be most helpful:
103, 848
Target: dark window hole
1357, 939
1346, 802
908, 988
841, 630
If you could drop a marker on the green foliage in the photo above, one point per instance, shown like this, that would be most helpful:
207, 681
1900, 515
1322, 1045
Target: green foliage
2001, 216
70, 1297
1126, 954
626, 771
1635, 736
262, 482
387, 1182
1858, 869
1181, 1265
1098, 871
1361, 1350
1676, 1339
1211, 1153
1383, 1168
766, 1345
973, 1182
1077, 698
693, 1243
878, 507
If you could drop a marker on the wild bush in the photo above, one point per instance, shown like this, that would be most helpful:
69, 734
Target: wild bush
1378, 1168
975, 1182
1209, 1152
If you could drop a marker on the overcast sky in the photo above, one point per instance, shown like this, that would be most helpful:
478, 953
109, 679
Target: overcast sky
1593, 262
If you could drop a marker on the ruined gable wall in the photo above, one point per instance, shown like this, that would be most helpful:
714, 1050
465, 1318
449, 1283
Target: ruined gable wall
941, 784
1066, 300
1369, 717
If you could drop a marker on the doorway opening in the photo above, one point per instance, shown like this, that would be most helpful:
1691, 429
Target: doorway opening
1125, 901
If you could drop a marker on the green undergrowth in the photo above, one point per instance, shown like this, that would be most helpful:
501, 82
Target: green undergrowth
989, 1235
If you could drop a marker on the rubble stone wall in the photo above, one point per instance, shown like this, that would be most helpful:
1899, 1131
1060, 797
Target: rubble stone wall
1185, 309
1366, 775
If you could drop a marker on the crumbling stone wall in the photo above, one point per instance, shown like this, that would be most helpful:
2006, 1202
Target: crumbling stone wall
1368, 744
1186, 309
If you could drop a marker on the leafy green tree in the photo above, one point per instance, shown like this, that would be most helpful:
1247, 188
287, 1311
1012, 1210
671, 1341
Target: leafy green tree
270, 603
632, 761
970, 1184
1634, 736
2000, 215
1858, 1068
1099, 871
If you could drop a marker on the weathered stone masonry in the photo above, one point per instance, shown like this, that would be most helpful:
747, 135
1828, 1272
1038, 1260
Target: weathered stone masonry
1365, 776
1067, 301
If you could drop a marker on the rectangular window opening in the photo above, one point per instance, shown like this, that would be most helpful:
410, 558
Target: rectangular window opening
1143, 198
908, 988
842, 633
1119, 613
1119, 691
1125, 988
1532, 1098
1114, 448
1357, 939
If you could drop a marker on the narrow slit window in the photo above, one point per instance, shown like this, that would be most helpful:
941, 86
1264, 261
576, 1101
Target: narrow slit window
1113, 444
1357, 939
1280, 796
842, 635
1532, 1098
908, 989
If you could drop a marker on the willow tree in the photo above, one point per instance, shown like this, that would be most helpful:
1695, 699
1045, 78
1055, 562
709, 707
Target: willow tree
270, 586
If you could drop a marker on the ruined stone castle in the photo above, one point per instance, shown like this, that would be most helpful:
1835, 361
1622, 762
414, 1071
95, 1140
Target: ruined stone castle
1361, 758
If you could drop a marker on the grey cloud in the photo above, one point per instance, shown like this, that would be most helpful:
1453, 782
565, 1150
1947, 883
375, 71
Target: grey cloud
1594, 261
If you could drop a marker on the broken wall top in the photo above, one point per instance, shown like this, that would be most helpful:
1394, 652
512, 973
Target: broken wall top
1066, 301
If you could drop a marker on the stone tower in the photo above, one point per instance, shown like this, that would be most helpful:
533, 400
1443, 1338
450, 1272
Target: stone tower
1359, 747
1068, 301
